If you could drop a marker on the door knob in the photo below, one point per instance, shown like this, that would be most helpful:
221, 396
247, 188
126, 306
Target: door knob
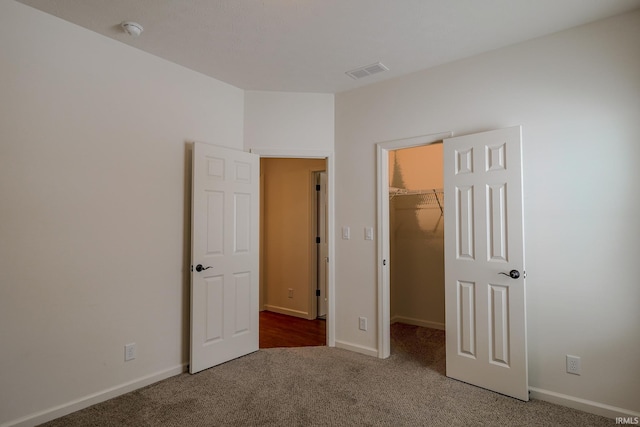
200, 268
514, 274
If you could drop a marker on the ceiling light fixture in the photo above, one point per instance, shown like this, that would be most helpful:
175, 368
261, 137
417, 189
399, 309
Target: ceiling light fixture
132, 28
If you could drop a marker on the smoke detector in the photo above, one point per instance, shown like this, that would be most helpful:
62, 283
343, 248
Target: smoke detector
132, 28
368, 70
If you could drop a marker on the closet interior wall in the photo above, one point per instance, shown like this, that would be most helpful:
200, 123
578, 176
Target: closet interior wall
416, 225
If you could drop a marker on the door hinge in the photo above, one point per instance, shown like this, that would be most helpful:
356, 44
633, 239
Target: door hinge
317, 187
317, 292
317, 240
192, 268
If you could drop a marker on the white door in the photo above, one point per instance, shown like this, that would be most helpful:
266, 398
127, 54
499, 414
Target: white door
224, 255
484, 241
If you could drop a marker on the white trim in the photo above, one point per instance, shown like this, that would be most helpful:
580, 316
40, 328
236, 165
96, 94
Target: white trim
382, 149
92, 399
367, 351
417, 322
329, 155
287, 311
293, 153
414, 141
384, 304
589, 406
312, 299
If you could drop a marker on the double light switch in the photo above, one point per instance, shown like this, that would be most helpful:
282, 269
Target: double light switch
346, 233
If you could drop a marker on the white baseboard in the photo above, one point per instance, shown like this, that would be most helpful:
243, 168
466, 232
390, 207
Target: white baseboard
581, 404
287, 311
417, 322
357, 348
92, 399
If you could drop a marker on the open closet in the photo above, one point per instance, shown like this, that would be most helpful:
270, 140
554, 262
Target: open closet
416, 227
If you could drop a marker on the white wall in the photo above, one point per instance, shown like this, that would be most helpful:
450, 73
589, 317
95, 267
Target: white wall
94, 209
284, 120
577, 96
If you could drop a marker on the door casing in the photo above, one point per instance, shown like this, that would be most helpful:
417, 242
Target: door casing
319, 213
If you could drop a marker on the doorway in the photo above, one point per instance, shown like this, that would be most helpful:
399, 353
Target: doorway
416, 236
484, 239
384, 247
291, 250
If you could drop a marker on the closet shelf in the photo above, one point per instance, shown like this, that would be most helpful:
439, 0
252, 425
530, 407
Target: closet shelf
433, 197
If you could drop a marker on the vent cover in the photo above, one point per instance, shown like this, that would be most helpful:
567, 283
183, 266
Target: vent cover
368, 70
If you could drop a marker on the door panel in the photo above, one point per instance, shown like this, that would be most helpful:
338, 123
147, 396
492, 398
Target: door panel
224, 294
484, 240
214, 308
499, 328
215, 222
465, 243
242, 304
466, 319
497, 223
242, 223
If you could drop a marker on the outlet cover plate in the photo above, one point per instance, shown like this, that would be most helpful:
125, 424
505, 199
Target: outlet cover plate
573, 365
362, 323
129, 352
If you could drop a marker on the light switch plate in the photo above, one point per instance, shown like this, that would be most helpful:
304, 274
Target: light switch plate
362, 323
346, 233
368, 233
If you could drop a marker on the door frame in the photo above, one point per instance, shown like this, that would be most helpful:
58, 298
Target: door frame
384, 303
314, 252
330, 168
319, 229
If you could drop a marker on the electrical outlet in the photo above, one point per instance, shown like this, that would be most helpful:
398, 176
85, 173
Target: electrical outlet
290, 293
573, 365
129, 352
362, 323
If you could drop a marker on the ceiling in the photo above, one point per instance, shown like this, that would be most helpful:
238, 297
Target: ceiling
308, 45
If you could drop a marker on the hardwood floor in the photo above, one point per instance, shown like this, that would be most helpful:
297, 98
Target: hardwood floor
279, 330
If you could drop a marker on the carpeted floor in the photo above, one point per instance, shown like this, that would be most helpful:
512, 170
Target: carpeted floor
322, 386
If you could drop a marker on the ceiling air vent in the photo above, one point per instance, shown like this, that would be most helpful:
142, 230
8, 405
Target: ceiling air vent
361, 72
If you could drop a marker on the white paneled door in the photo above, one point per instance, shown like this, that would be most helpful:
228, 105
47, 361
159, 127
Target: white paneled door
224, 255
486, 342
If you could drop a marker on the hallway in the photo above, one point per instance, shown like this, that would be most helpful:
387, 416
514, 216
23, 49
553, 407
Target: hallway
279, 330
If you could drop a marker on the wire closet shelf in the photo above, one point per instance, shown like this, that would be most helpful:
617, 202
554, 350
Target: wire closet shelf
422, 199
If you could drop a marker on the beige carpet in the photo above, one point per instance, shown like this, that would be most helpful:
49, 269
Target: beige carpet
322, 386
